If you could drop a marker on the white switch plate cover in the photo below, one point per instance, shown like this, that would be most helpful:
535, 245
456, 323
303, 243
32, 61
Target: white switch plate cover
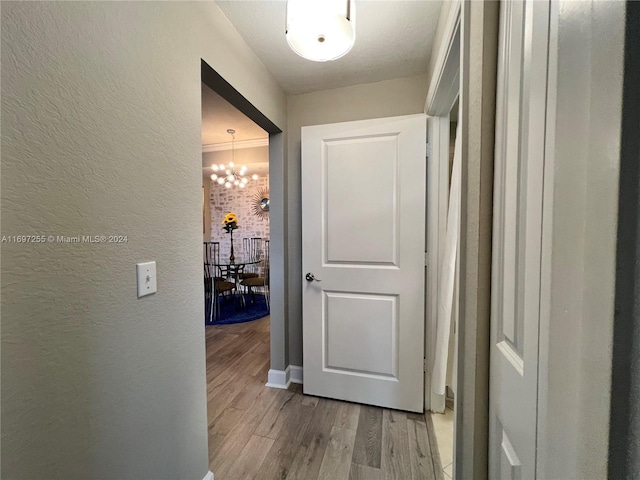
146, 273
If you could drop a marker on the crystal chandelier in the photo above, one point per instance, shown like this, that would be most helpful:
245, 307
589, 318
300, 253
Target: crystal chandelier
231, 175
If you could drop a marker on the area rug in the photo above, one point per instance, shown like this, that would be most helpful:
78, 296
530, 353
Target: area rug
232, 312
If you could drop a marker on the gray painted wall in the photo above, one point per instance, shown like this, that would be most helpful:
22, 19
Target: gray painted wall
278, 253
101, 135
403, 96
479, 46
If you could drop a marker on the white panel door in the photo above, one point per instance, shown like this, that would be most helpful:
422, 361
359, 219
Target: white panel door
363, 224
515, 289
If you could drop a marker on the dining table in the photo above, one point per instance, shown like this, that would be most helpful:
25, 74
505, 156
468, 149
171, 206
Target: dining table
234, 268
232, 271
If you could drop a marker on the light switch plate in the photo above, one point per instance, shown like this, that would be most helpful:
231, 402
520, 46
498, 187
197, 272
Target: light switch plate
146, 273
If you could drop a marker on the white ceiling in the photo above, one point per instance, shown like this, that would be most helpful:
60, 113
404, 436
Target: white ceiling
218, 115
393, 40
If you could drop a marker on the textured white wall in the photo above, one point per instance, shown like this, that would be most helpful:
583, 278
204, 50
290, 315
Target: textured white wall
100, 125
402, 96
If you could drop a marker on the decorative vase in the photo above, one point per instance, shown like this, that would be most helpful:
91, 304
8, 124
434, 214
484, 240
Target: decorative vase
232, 257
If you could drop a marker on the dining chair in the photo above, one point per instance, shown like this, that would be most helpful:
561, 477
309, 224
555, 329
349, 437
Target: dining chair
260, 282
214, 285
208, 281
252, 247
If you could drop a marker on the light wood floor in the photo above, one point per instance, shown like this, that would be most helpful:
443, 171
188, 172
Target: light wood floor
265, 433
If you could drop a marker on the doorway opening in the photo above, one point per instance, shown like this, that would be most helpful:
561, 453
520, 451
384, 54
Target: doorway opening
235, 183
237, 247
281, 433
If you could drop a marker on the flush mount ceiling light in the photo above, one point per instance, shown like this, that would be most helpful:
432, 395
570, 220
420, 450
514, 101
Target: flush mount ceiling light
231, 175
321, 30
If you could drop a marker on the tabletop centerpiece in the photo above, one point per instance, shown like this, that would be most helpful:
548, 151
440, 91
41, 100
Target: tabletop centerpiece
230, 223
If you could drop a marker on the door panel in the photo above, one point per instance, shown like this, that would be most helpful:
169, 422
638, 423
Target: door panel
361, 333
355, 168
518, 186
363, 237
510, 466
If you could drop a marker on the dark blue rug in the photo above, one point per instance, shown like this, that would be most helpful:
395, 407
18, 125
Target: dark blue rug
231, 310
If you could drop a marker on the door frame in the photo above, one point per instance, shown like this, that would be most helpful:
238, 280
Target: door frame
581, 188
279, 338
441, 97
476, 25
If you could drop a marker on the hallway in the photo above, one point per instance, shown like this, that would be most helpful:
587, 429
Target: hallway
265, 433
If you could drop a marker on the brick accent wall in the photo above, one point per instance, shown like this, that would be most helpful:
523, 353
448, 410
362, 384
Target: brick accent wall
239, 201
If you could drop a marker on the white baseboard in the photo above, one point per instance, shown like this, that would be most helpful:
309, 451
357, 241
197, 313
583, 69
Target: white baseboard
279, 378
284, 378
296, 374
208, 476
